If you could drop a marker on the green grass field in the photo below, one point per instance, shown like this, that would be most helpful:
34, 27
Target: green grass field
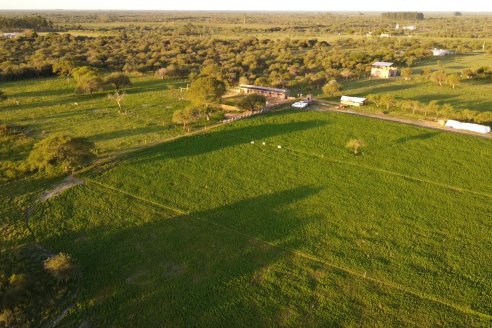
473, 95
211, 230
50, 105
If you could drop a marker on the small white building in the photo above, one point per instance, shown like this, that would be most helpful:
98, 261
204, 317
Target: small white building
442, 52
383, 70
467, 126
352, 101
410, 28
11, 35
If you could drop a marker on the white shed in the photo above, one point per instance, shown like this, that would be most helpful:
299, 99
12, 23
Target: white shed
352, 101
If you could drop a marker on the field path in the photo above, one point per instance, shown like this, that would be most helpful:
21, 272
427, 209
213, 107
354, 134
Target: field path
330, 107
65, 184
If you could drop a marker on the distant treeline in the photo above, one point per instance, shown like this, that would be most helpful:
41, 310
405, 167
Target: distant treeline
403, 16
37, 23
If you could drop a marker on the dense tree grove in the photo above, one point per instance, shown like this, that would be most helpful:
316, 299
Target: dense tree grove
34, 22
280, 63
403, 16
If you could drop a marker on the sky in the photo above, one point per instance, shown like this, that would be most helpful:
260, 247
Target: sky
256, 5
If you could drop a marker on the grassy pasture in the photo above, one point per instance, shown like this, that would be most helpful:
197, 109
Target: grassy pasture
50, 105
211, 229
473, 95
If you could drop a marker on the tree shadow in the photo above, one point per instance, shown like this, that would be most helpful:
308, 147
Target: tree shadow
178, 270
127, 133
423, 136
217, 140
67, 100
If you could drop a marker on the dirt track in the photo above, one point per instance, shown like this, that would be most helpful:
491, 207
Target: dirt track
330, 107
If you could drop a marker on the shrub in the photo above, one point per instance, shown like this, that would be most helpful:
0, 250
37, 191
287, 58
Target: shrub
59, 266
355, 146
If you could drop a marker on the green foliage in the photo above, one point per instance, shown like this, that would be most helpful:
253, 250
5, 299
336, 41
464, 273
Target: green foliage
35, 22
186, 117
60, 151
332, 88
63, 68
252, 102
406, 73
439, 77
205, 91
117, 80
453, 80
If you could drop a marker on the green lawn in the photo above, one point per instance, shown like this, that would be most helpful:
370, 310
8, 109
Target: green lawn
473, 95
211, 230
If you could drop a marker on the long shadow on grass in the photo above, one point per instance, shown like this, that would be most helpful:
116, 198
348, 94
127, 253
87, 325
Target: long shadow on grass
203, 269
128, 133
217, 140
422, 136
63, 101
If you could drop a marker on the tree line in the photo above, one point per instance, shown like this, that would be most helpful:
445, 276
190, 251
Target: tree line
399, 16
35, 22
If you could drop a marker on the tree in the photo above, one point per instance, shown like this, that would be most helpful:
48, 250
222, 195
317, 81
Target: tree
185, 117
426, 73
453, 80
206, 90
79, 72
406, 73
161, 73
414, 106
439, 77
253, 102
355, 146
117, 80
468, 73
375, 99
63, 68
346, 73
243, 80
432, 106
3, 96
89, 84
118, 97
387, 100
61, 151
331, 88
60, 266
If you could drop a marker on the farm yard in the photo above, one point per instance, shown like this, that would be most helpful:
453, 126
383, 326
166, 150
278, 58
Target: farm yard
211, 228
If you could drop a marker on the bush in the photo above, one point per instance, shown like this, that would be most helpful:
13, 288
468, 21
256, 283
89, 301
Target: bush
355, 146
60, 266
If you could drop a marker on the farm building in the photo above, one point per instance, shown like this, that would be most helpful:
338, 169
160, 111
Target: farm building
11, 35
264, 91
383, 70
441, 52
352, 101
